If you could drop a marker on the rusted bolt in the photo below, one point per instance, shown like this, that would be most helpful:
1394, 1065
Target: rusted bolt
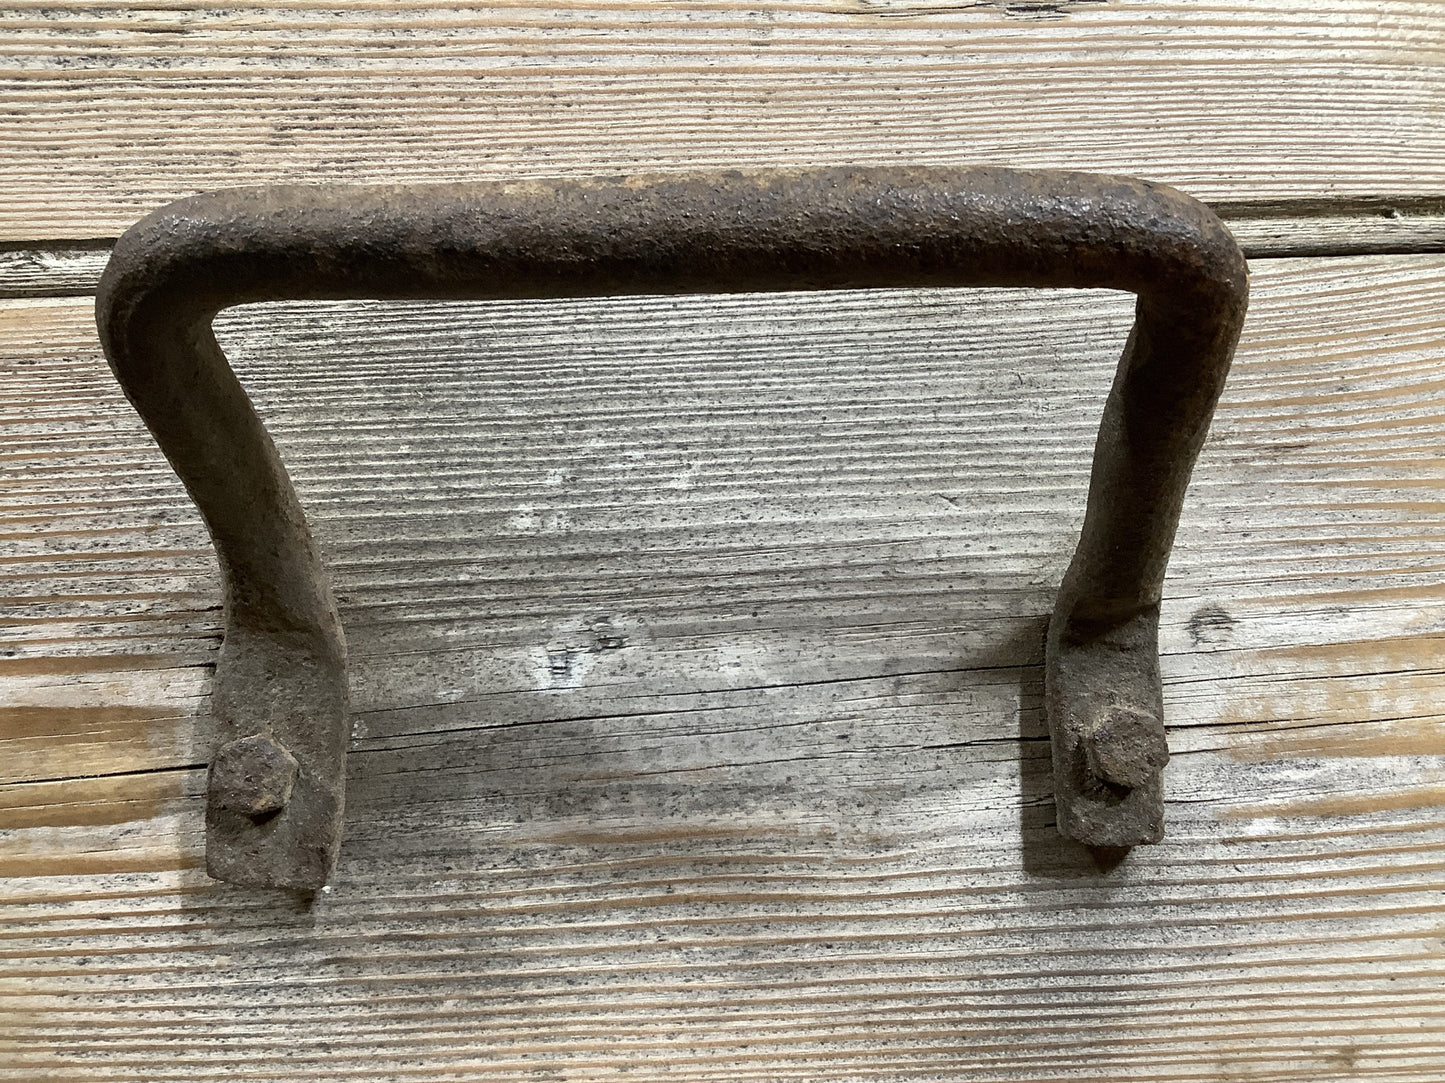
253, 776
1125, 747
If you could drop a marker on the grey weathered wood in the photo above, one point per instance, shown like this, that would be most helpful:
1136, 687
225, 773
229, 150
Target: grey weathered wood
113, 108
52, 271
1337, 228
698, 736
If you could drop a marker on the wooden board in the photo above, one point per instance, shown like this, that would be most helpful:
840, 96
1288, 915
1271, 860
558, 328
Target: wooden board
112, 108
698, 737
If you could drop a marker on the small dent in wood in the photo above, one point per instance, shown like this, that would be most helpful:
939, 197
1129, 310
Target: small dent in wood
1211, 626
574, 646
1013, 9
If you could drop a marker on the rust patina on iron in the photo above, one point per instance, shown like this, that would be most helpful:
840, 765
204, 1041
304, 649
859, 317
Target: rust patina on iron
275, 807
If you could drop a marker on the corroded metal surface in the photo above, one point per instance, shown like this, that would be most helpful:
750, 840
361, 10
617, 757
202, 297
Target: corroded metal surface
275, 807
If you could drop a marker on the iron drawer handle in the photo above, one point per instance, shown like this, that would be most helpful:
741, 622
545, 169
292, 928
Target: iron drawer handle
274, 808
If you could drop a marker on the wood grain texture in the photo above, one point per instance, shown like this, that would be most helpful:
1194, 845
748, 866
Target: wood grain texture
698, 736
54, 271
113, 108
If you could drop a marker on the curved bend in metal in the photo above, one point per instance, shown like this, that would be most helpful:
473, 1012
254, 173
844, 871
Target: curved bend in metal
275, 800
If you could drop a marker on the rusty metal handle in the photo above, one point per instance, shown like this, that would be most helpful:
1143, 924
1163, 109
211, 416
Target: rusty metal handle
276, 786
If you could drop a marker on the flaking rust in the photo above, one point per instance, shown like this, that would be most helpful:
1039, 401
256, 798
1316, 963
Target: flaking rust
274, 814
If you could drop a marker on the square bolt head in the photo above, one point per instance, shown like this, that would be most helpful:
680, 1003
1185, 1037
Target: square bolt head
1126, 747
253, 776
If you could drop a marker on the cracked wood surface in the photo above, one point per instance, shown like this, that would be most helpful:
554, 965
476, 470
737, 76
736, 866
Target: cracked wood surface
698, 736
112, 108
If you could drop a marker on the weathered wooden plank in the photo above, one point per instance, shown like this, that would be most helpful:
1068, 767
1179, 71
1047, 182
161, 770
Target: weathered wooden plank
52, 271
1337, 227
114, 108
698, 735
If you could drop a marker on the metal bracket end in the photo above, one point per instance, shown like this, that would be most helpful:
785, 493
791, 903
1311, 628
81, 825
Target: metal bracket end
276, 790
294, 848
1105, 707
